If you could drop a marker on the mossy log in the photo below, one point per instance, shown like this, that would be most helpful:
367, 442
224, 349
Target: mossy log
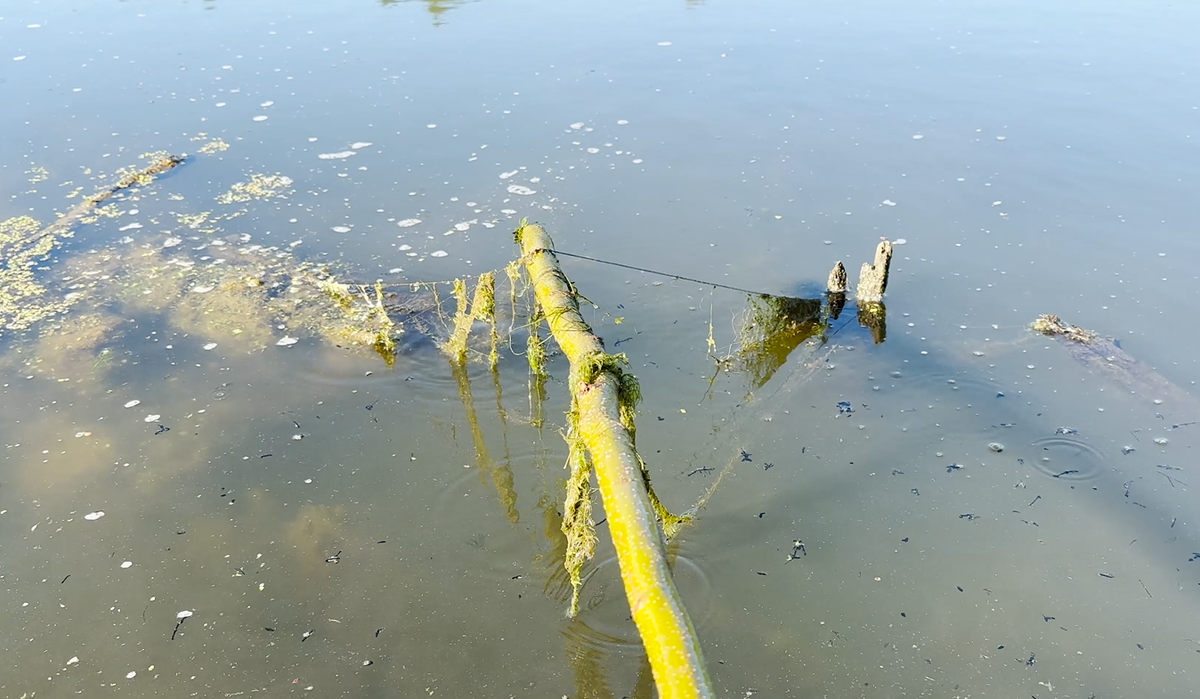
596, 383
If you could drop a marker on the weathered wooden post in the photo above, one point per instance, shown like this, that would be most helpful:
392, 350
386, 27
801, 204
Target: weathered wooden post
872, 282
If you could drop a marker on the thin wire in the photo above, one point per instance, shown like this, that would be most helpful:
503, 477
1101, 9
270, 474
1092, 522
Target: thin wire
662, 274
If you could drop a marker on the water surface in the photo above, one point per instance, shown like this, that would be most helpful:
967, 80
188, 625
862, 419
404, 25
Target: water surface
345, 528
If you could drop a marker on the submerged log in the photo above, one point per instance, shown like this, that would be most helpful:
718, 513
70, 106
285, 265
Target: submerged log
1103, 356
601, 397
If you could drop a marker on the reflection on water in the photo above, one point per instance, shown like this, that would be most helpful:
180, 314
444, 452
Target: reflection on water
436, 8
330, 522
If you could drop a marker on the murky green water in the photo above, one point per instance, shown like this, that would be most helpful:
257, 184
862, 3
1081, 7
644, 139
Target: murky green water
337, 527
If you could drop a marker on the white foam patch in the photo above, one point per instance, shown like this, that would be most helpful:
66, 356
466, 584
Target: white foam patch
408, 222
506, 175
520, 189
340, 155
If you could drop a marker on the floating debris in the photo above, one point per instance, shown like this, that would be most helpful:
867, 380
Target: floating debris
286, 341
340, 155
210, 346
360, 144
133, 403
438, 253
152, 417
520, 189
996, 447
127, 564
260, 187
93, 516
340, 229
408, 222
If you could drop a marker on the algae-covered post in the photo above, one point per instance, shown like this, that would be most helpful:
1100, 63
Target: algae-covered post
602, 399
872, 282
